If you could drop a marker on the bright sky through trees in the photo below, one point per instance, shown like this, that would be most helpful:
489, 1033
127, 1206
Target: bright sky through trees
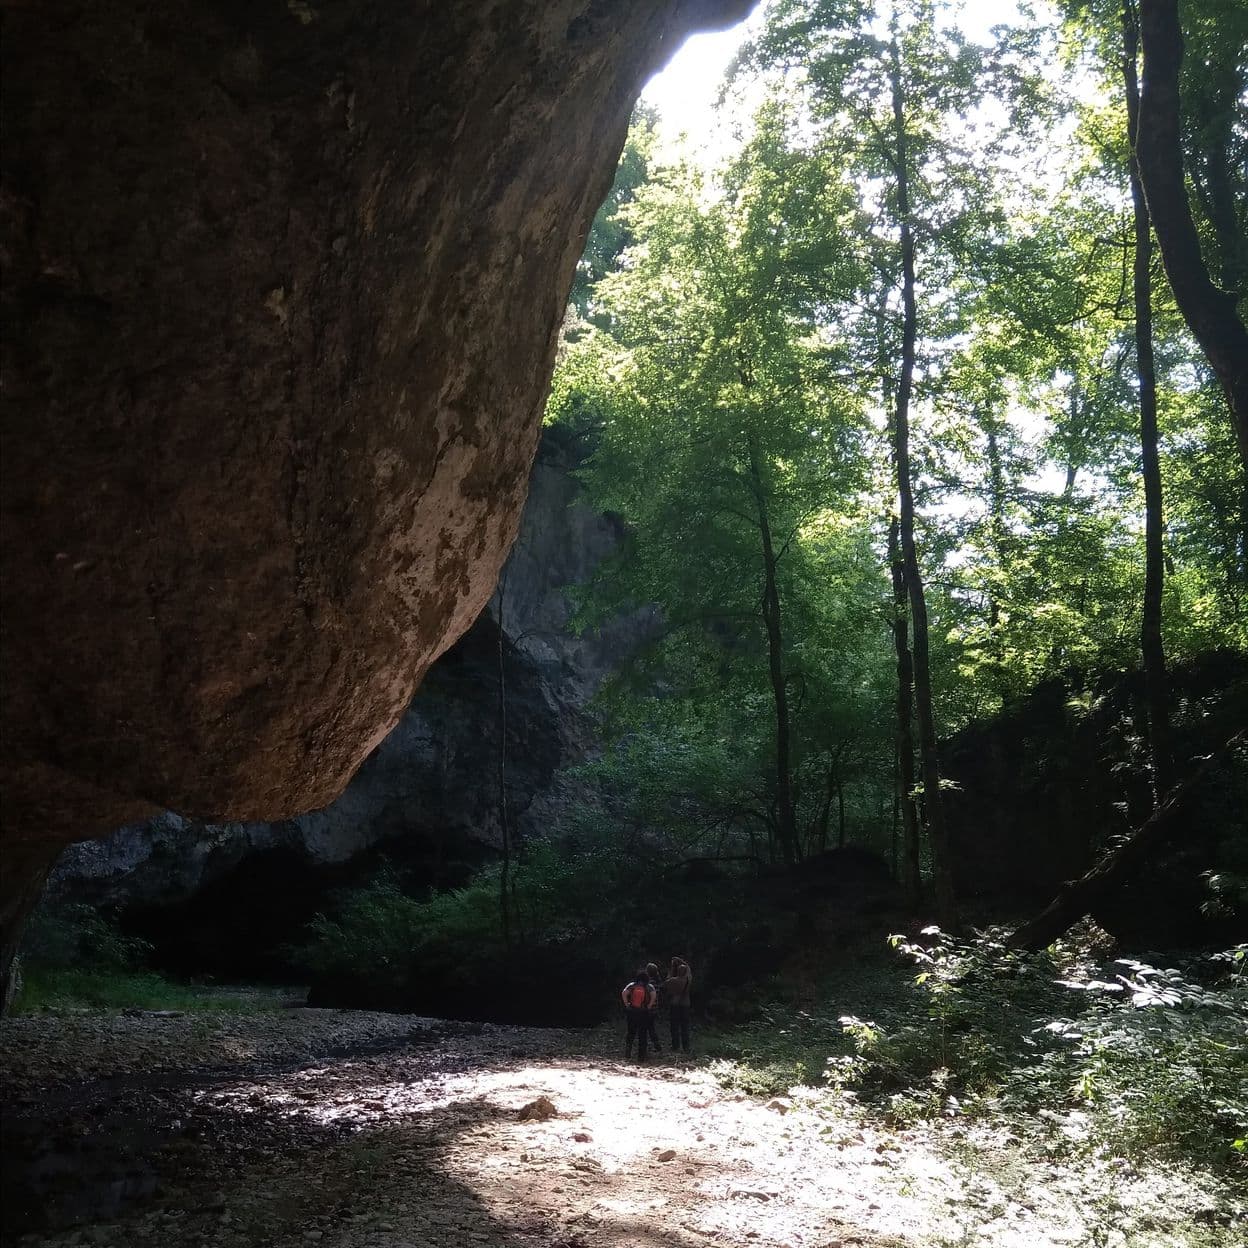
685, 93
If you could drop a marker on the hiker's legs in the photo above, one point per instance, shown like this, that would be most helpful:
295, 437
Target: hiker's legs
634, 1019
680, 1027
652, 1028
640, 1024
678, 1016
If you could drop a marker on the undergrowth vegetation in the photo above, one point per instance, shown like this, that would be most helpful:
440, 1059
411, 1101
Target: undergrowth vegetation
582, 915
1120, 1056
75, 957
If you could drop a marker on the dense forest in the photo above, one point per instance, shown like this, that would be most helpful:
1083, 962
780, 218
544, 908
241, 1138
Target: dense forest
923, 417
906, 421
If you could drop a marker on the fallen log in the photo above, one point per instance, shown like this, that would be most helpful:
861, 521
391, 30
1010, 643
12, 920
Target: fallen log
1078, 897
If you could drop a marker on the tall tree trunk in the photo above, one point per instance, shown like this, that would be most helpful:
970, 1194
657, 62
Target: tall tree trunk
1157, 692
942, 868
1210, 313
911, 878
825, 810
909, 873
996, 515
1218, 200
504, 879
1076, 418
894, 837
786, 817
840, 813
996, 518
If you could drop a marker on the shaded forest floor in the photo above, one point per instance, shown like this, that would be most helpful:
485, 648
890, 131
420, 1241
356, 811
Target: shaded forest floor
359, 1130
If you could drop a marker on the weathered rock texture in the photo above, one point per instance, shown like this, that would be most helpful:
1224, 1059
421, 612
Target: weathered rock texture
430, 791
281, 287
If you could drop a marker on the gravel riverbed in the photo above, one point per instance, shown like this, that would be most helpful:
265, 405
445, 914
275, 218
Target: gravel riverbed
352, 1129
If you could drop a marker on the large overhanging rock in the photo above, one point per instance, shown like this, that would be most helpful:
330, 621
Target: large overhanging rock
281, 289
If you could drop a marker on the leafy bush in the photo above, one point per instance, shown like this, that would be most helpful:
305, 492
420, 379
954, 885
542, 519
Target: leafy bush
1122, 1056
1138, 1058
76, 957
571, 917
80, 936
1160, 1061
556, 892
772, 1053
585, 912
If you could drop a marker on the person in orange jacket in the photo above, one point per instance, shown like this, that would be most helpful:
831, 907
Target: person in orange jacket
638, 996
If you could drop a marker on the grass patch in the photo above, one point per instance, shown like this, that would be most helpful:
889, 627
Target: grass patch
75, 958
73, 989
772, 1053
781, 1047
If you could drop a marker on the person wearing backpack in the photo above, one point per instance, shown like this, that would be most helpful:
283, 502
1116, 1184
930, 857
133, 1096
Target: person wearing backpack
676, 993
638, 997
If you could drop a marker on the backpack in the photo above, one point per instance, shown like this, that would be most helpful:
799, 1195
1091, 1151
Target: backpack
638, 995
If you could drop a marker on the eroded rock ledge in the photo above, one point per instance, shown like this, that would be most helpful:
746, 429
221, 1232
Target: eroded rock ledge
219, 899
281, 287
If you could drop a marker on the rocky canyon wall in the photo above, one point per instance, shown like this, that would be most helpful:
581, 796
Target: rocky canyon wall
429, 791
281, 286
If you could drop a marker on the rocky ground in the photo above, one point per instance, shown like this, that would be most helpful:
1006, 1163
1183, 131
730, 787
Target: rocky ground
357, 1130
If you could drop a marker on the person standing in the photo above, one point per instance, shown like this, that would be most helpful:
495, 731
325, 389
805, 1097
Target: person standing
652, 1019
638, 996
676, 990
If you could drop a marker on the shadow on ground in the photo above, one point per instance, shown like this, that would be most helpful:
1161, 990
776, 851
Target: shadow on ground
405, 1148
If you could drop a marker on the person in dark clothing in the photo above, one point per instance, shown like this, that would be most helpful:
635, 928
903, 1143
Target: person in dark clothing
652, 1020
638, 997
676, 989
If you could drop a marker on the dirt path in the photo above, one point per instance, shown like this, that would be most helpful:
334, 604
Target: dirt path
356, 1130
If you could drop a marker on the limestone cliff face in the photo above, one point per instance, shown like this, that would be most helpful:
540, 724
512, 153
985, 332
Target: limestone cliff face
435, 777
281, 285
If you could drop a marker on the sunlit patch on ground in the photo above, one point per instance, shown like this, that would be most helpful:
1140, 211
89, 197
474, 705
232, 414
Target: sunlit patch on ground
423, 1144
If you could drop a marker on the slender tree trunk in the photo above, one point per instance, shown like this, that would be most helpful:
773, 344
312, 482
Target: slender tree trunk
825, 811
504, 879
1157, 693
840, 813
894, 837
909, 874
1219, 203
1076, 418
911, 880
942, 869
996, 521
1233, 249
996, 515
25, 867
786, 818
1210, 312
